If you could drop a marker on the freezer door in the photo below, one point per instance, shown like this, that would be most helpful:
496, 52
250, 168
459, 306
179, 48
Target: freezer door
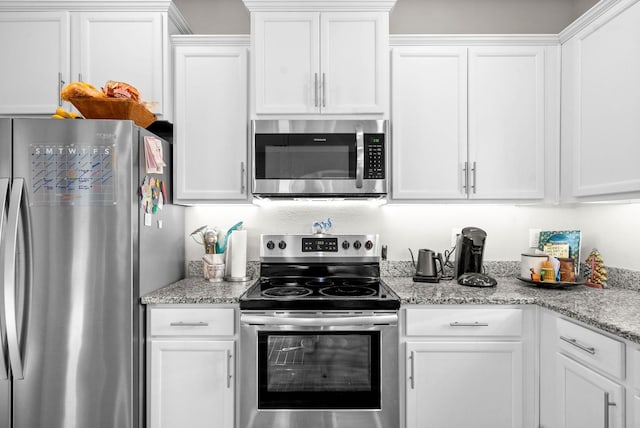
77, 338
5, 174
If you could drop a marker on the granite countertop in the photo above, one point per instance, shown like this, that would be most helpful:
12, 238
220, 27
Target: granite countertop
613, 310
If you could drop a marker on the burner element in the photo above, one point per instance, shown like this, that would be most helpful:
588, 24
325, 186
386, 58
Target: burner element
347, 291
288, 292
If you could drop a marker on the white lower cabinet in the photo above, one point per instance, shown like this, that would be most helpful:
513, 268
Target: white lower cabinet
468, 366
464, 384
588, 399
191, 367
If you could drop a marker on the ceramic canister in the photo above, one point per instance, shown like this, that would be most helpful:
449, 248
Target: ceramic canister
531, 260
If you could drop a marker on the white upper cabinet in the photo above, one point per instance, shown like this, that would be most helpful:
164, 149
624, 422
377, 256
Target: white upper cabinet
601, 101
354, 62
125, 47
320, 62
47, 44
506, 122
34, 47
474, 122
429, 117
211, 124
286, 49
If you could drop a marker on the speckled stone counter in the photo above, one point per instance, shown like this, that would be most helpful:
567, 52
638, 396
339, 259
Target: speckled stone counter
196, 290
613, 310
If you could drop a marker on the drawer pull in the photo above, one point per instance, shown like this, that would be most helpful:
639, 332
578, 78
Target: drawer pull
578, 345
189, 324
468, 324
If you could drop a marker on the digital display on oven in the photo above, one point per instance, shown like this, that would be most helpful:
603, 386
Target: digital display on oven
319, 245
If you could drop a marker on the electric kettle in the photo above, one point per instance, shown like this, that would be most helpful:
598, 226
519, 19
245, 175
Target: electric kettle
426, 269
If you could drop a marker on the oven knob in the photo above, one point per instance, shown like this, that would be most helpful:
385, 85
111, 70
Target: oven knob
357, 245
368, 245
271, 245
345, 245
282, 245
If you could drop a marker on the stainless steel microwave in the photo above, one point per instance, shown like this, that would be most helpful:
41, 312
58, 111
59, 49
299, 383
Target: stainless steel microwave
319, 158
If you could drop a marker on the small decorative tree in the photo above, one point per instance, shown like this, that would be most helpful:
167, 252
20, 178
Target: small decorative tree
595, 272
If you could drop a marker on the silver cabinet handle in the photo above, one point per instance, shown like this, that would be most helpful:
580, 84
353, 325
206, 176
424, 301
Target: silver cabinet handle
189, 324
412, 378
324, 92
359, 157
242, 179
578, 345
60, 85
465, 183
18, 205
468, 324
4, 191
79, 77
315, 89
473, 171
607, 405
229, 355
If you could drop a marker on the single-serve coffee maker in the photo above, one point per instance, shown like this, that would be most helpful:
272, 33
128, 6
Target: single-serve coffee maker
469, 254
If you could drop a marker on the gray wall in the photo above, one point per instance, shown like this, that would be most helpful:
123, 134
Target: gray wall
416, 16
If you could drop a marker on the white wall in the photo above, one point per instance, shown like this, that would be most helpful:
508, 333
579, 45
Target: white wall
416, 16
613, 229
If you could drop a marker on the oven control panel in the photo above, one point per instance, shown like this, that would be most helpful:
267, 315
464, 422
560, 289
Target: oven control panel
320, 246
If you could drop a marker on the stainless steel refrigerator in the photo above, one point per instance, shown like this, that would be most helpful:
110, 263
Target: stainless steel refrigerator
75, 256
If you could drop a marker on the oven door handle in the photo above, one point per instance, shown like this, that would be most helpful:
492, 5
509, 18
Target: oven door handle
386, 319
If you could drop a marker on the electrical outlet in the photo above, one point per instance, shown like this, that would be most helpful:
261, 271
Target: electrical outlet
455, 231
534, 237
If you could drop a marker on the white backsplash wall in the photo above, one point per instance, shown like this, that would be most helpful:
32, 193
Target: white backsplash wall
613, 229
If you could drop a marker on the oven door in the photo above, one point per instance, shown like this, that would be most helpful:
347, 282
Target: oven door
304, 367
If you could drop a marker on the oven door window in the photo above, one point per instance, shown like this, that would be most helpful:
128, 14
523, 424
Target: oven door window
324, 370
305, 156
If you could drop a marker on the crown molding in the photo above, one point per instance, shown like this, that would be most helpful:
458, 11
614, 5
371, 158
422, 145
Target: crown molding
90, 5
397, 40
211, 40
319, 5
590, 16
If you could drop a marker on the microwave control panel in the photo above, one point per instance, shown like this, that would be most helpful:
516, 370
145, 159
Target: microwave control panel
374, 159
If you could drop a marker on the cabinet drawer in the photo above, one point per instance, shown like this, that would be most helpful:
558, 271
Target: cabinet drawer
596, 349
191, 322
464, 322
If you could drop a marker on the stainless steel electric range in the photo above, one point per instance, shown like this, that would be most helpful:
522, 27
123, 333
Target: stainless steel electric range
319, 336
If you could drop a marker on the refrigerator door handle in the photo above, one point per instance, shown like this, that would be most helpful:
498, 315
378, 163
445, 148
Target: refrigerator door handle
18, 204
4, 191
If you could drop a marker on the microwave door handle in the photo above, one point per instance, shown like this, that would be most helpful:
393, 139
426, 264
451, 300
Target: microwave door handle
4, 189
359, 157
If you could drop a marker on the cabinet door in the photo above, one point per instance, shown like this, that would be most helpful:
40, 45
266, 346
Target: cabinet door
286, 49
506, 122
602, 105
429, 117
354, 62
34, 47
191, 384
464, 384
211, 123
587, 399
126, 47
